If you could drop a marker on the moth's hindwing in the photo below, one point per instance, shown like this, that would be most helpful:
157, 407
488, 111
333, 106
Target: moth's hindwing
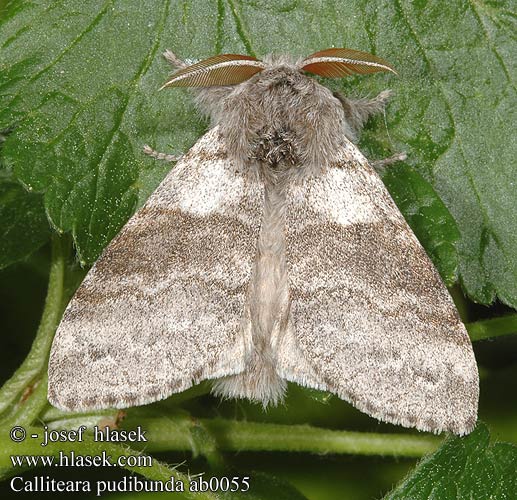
371, 319
164, 306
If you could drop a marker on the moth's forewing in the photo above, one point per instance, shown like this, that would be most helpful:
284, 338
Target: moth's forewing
371, 318
163, 306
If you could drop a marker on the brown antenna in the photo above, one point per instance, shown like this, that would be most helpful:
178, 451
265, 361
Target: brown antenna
337, 63
224, 69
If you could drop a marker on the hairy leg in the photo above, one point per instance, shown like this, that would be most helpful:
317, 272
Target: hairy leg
174, 60
160, 156
176, 63
357, 111
379, 165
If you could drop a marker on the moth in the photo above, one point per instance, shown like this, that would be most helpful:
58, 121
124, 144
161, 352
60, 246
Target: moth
271, 252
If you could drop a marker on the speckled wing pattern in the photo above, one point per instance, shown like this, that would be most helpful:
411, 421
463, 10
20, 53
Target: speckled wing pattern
165, 305
370, 319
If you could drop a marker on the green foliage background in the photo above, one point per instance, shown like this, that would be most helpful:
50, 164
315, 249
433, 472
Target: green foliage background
78, 99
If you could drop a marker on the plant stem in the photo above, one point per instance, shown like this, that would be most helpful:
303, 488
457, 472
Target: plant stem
166, 434
177, 431
495, 327
251, 436
27, 412
35, 363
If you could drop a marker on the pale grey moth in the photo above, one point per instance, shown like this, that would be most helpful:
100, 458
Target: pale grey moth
271, 252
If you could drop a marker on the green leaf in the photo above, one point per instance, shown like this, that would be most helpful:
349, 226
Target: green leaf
85, 101
428, 217
23, 224
463, 468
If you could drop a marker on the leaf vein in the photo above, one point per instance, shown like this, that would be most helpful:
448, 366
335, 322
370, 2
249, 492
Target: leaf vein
74, 42
143, 68
491, 44
240, 28
467, 172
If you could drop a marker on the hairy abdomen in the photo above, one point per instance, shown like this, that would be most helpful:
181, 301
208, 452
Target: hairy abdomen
268, 308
